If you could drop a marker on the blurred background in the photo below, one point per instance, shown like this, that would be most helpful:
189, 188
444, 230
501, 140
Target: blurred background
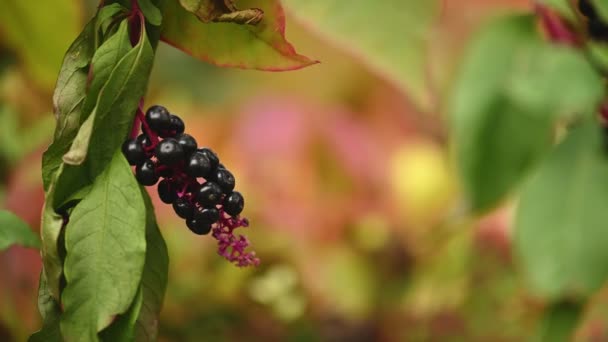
351, 194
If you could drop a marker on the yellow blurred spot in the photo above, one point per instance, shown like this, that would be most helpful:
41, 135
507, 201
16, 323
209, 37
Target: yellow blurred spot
277, 282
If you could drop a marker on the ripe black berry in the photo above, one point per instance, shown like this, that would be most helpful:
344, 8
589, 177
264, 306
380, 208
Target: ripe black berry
169, 152
210, 215
158, 118
133, 151
198, 227
187, 142
144, 140
183, 208
225, 179
198, 165
177, 125
146, 173
167, 191
213, 158
234, 203
209, 195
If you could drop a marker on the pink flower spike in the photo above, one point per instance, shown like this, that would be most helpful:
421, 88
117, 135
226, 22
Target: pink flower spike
230, 246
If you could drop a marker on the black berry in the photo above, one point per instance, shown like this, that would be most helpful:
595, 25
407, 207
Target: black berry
177, 125
213, 158
198, 227
158, 118
210, 215
225, 179
146, 173
234, 203
167, 191
183, 208
209, 194
198, 165
187, 142
144, 140
169, 152
133, 151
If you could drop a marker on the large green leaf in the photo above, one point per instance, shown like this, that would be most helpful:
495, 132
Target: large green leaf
106, 246
154, 279
122, 328
50, 312
561, 235
390, 36
504, 105
261, 47
113, 117
68, 98
104, 61
14, 231
36, 32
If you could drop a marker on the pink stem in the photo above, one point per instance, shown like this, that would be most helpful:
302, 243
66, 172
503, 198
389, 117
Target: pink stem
556, 28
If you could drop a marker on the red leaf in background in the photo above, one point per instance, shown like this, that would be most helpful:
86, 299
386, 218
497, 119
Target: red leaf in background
261, 47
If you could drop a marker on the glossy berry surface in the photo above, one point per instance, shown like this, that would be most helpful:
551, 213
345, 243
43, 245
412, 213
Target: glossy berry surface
183, 208
167, 191
234, 204
198, 227
146, 173
225, 179
177, 125
209, 195
133, 151
213, 158
169, 152
209, 215
198, 165
158, 118
187, 142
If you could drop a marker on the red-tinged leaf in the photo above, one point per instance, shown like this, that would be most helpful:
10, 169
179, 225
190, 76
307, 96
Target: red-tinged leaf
262, 46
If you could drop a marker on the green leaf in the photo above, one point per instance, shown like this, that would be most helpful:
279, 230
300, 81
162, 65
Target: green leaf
154, 279
50, 228
14, 231
68, 98
559, 322
261, 47
504, 106
106, 246
391, 37
33, 29
104, 61
50, 312
602, 8
561, 6
560, 227
123, 327
114, 114
151, 12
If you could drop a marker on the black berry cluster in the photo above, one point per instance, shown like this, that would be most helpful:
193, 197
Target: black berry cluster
597, 29
190, 178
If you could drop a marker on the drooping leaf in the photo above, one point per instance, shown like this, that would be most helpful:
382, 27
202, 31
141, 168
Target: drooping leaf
261, 47
559, 322
14, 231
50, 229
389, 36
104, 61
123, 327
50, 312
560, 228
154, 278
114, 113
33, 29
151, 12
106, 246
68, 98
504, 105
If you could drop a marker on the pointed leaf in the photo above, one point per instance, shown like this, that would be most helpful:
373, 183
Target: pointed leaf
390, 36
561, 234
261, 47
105, 243
154, 279
14, 231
